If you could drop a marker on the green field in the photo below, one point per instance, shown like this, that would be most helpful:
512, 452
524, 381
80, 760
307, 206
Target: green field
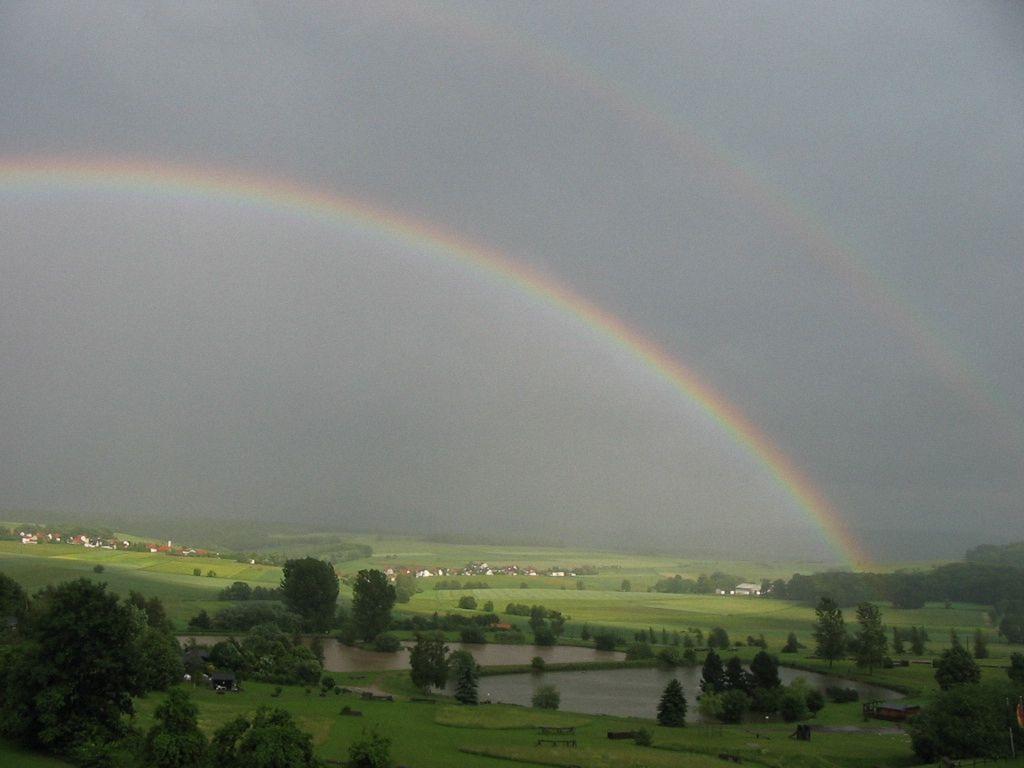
496, 735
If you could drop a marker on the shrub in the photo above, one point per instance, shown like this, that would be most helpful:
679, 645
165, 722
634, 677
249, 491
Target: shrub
794, 705
387, 643
639, 651
839, 695
98, 568
815, 701
537, 664
473, 635
547, 697
370, 751
733, 706
643, 737
605, 641
718, 638
468, 602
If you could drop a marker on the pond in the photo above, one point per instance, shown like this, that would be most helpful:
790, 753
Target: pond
635, 692
342, 658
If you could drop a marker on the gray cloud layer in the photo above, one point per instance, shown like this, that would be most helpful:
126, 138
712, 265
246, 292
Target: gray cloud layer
193, 358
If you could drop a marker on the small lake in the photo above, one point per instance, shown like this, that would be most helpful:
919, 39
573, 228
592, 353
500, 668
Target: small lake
635, 692
342, 658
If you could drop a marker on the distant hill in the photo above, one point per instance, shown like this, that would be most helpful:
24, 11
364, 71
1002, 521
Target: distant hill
998, 554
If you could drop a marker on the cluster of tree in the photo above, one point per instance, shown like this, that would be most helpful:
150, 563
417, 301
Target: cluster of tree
914, 637
445, 584
243, 617
869, 644
74, 660
268, 740
1011, 554
967, 718
702, 585
269, 655
448, 622
730, 690
967, 582
547, 625
521, 609
241, 590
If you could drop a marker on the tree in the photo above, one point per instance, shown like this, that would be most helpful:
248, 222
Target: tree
964, 721
732, 706
467, 602
370, 751
175, 741
200, 621
956, 667
372, 600
917, 640
980, 644
159, 656
829, 631
405, 587
794, 705
270, 740
718, 638
428, 661
712, 676
547, 697
792, 644
309, 588
75, 675
672, 707
765, 670
467, 677
871, 641
13, 605
736, 677
1016, 669
626, 586
897, 641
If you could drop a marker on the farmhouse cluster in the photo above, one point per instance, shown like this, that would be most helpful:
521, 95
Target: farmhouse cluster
105, 542
478, 569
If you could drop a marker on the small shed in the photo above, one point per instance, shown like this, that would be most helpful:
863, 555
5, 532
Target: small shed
224, 680
894, 711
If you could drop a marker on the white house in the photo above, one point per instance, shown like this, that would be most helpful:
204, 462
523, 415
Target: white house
746, 588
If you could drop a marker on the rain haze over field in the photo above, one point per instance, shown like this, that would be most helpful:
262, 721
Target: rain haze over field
814, 208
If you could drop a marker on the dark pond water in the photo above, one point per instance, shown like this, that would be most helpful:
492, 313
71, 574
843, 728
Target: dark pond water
341, 658
635, 692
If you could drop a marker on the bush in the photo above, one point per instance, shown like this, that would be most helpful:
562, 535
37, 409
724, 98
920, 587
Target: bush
547, 697
370, 751
544, 636
639, 651
643, 737
840, 695
467, 602
815, 701
537, 664
670, 657
605, 641
718, 638
794, 705
733, 705
474, 635
97, 568
387, 643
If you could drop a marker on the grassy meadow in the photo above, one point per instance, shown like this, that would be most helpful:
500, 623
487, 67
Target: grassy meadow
500, 735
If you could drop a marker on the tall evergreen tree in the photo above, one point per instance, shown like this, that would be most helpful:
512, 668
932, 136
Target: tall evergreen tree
712, 676
736, 677
672, 707
956, 667
829, 631
765, 669
871, 641
467, 677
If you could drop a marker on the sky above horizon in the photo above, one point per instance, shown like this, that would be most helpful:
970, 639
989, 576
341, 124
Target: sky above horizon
815, 208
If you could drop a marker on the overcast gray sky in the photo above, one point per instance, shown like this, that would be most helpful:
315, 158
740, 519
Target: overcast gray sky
816, 207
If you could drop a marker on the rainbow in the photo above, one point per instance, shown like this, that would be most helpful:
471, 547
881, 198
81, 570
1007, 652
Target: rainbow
732, 174
47, 174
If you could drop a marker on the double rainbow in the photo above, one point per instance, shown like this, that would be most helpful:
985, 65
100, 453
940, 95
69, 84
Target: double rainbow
54, 174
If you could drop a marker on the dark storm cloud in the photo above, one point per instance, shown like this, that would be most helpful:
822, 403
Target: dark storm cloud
193, 359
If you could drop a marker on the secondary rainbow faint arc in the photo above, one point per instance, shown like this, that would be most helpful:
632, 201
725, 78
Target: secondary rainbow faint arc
24, 174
